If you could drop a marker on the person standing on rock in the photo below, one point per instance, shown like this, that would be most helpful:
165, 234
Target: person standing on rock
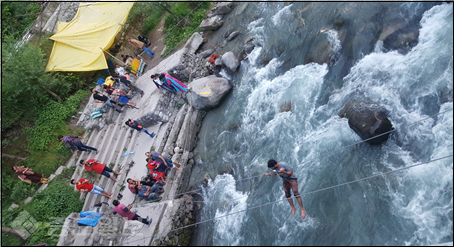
127, 213
84, 186
141, 46
166, 163
289, 182
159, 84
93, 165
72, 141
135, 125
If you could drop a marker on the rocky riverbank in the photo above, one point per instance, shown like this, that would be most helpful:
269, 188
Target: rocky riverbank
176, 119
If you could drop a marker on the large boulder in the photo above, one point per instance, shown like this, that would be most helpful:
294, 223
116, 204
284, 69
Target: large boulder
230, 61
223, 8
212, 23
368, 120
207, 92
194, 43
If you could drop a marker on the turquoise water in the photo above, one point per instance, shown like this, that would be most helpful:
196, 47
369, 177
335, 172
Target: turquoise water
410, 207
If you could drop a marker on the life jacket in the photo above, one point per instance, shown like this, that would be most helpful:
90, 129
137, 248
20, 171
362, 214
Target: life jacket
213, 58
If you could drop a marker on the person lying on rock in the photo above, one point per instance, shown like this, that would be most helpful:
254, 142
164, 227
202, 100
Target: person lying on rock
93, 165
84, 186
99, 98
166, 163
161, 85
135, 125
127, 213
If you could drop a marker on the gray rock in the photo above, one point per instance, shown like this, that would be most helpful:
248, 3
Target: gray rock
208, 92
206, 179
194, 43
206, 53
249, 47
212, 23
226, 169
223, 8
368, 120
233, 35
230, 61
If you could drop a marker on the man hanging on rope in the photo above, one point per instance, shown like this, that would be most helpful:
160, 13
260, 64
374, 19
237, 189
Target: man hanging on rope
289, 181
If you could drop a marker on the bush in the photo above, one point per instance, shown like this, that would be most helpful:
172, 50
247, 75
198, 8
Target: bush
57, 200
151, 22
45, 233
22, 190
175, 34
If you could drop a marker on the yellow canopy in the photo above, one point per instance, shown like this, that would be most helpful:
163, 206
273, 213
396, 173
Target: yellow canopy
79, 44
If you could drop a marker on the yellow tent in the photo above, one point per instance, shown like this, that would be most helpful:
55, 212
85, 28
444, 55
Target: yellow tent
79, 44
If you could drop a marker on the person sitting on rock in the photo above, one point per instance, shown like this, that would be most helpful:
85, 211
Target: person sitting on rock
127, 59
84, 186
120, 70
159, 84
133, 184
149, 193
166, 163
124, 80
93, 165
127, 213
135, 125
157, 172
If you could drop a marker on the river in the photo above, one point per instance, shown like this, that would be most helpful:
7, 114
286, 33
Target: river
413, 81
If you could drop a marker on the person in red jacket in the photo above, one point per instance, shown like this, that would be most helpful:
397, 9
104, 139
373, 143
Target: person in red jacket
84, 186
93, 165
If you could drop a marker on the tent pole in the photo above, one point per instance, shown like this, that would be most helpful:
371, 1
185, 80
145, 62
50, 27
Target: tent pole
124, 64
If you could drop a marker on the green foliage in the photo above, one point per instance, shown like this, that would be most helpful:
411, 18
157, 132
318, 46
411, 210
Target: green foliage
45, 233
22, 190
9, 215
21, 92
151, 21
141, 10
9, 240
51, 122
174, 33
17, 18
57, 200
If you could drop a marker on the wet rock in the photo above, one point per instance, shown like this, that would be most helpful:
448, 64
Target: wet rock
233, 35
226, 169
265, 59
249, 39
206, 53
285, 107
212, 23
208, 92
249, 47
367, 120
230, 61
206, 179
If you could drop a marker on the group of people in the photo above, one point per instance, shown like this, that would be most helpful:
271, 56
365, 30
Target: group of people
169, 83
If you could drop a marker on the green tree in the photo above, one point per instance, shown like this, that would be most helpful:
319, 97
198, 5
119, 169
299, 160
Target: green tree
17, 18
